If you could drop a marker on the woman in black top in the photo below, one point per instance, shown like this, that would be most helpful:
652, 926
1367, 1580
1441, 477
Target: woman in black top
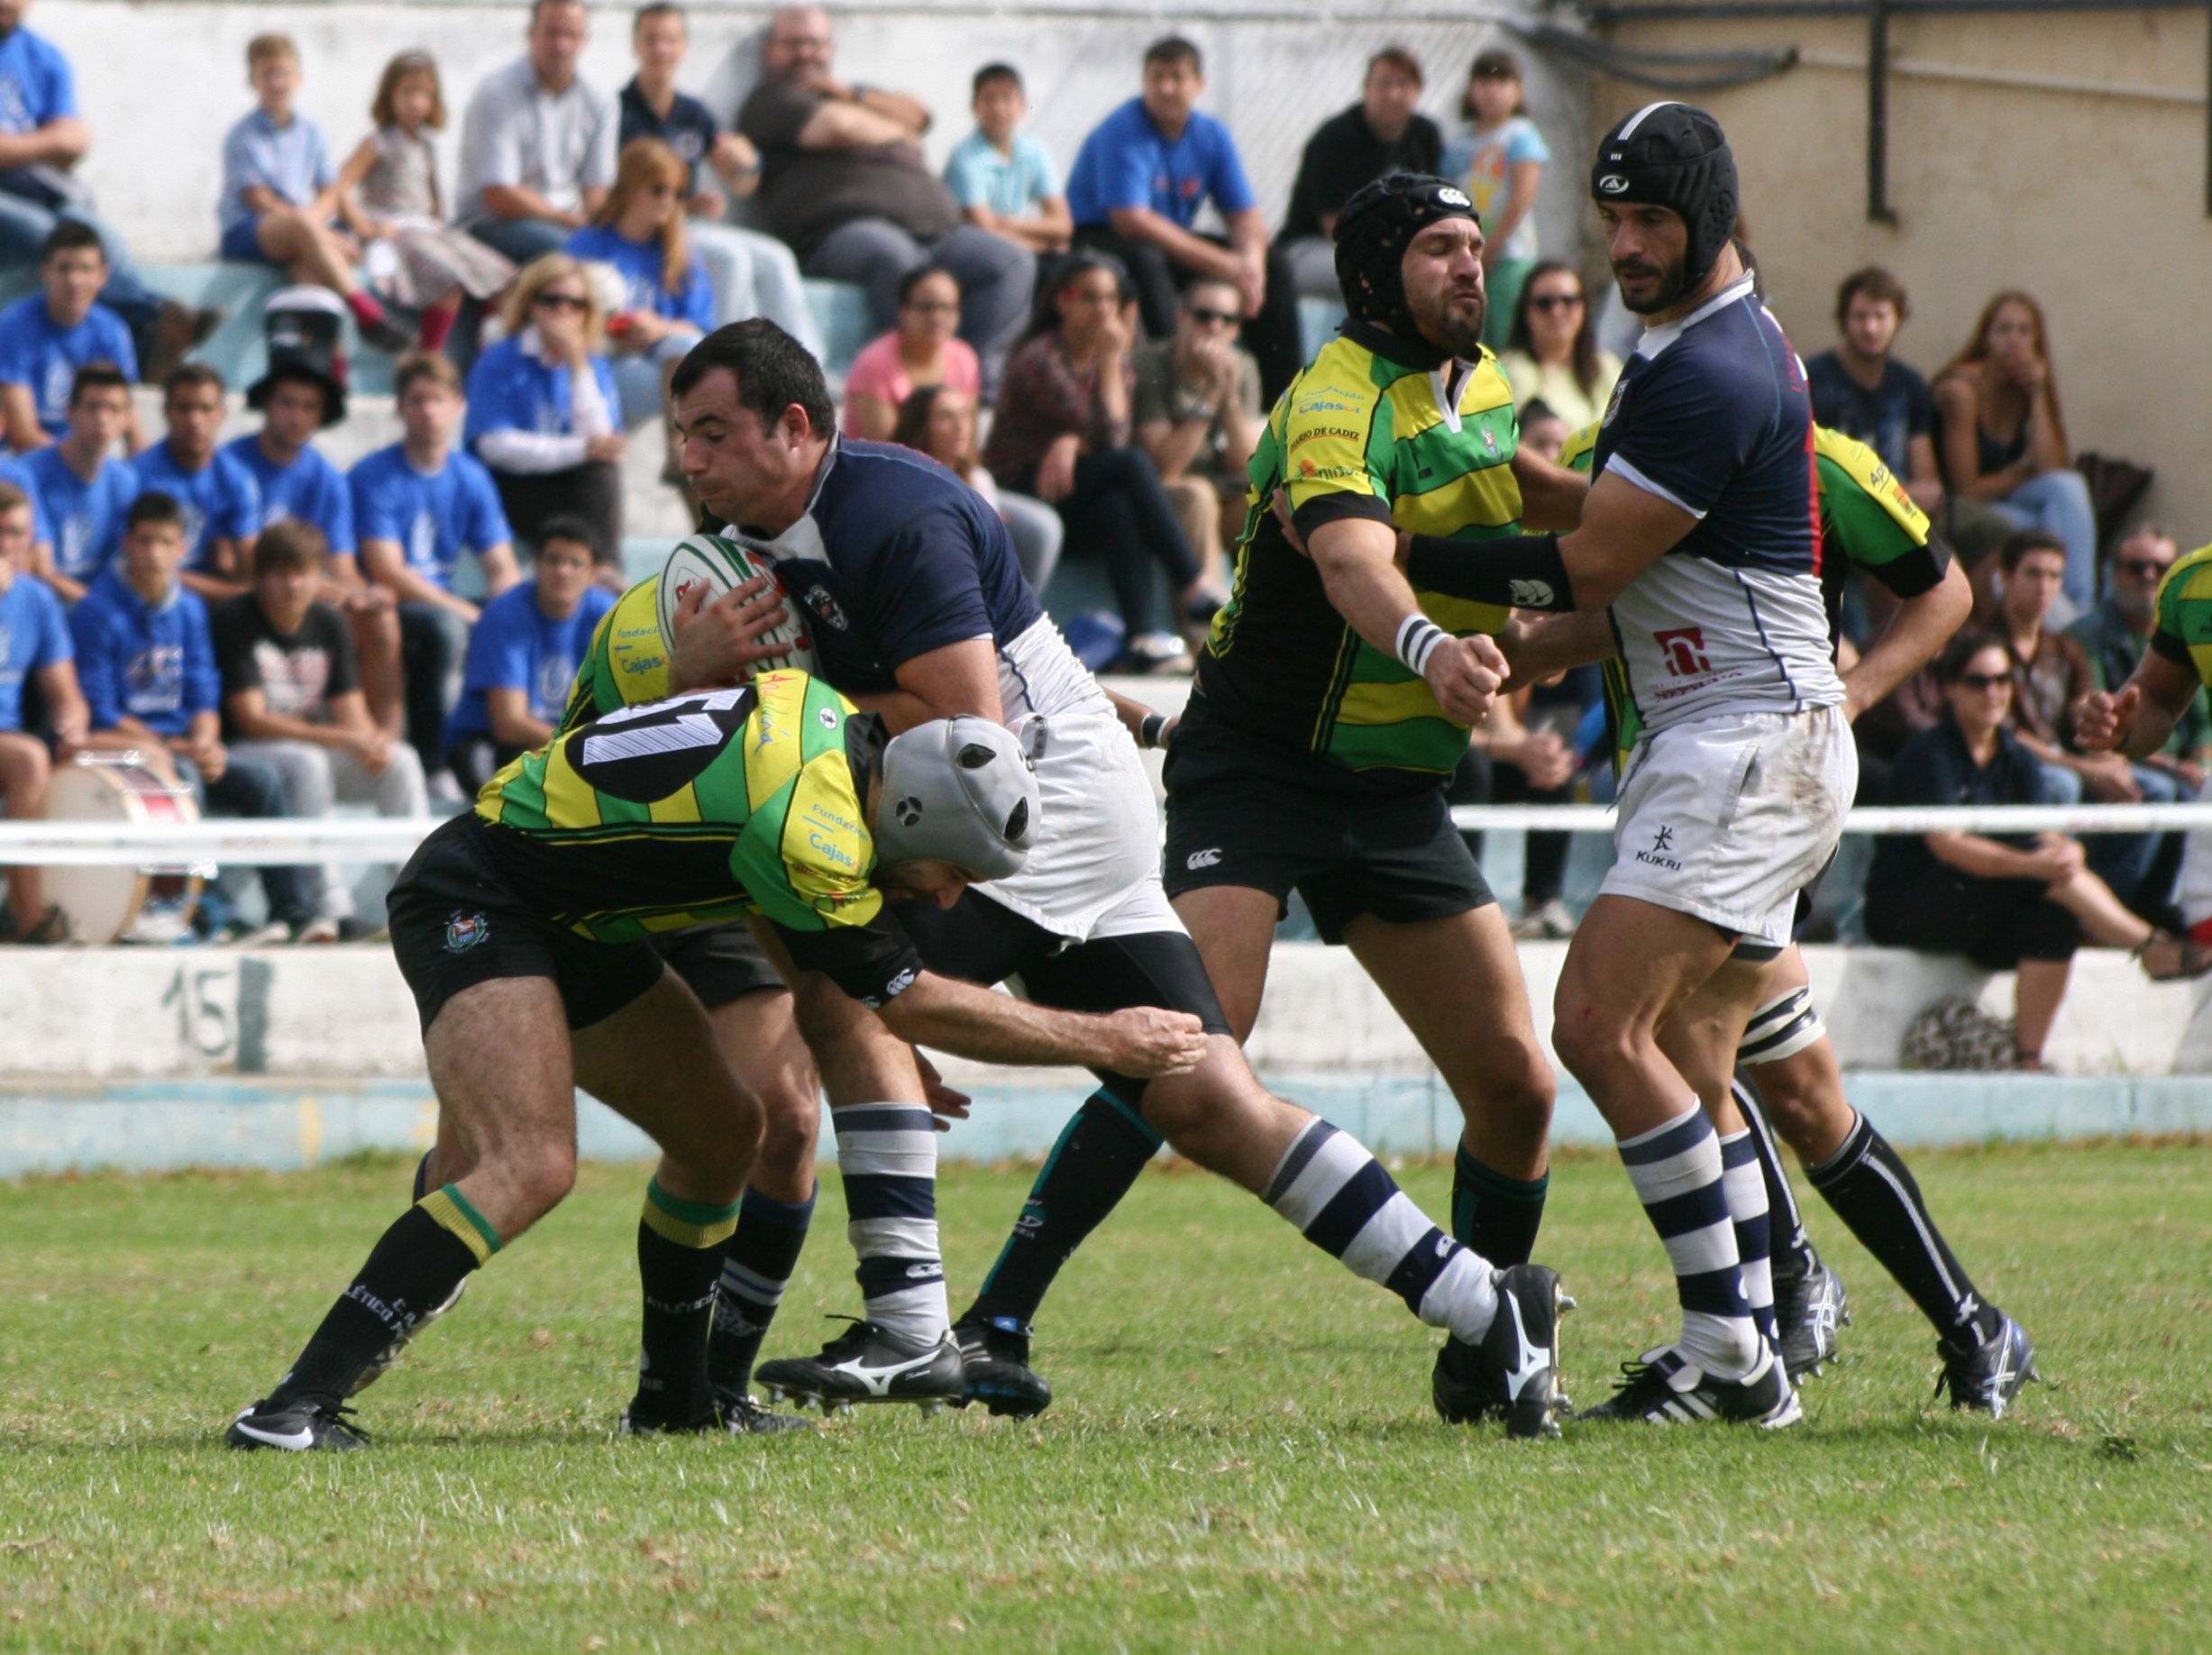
2007, 900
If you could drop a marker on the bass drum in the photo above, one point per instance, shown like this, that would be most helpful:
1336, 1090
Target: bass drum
152, 903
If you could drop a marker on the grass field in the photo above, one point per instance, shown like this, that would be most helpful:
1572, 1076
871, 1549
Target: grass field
1243, 1456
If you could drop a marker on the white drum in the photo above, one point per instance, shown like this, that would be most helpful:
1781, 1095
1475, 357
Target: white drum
107, 904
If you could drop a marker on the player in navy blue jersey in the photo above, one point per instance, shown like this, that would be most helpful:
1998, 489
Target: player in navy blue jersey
1701, 535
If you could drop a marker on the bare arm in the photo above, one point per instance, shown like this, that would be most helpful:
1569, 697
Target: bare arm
1985, 858
1542, 646
65, 703
991, 1028
520, 201
1922, 480
837, 124
1527, 176
1921, 627
1961, 408
1047, 230
61, 142
2137, 719
959, 678
500, 568
873, 417
510, 715
1624, 531
388, 567
2046, 450
1356, 559
1193, 252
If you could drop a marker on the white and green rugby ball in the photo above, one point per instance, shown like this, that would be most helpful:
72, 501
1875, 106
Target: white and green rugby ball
720, 562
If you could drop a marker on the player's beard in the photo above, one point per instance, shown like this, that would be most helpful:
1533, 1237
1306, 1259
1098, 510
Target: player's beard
1457, 332
1673, 283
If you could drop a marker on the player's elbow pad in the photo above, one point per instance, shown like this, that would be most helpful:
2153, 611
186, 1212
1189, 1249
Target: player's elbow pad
1526, 571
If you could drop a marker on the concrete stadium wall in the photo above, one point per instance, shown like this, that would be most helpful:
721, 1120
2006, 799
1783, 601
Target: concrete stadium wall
161, 80
2095, 203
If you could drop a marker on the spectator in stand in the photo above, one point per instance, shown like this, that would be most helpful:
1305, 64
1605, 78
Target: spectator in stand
292, 700
753, 275
537, 141
35, 650
1005, 181
1381, 133
1062, 433
2140, 867
299, 396
923, 350
940, 422
843, 180
544, 409
2008, 901
46, 338
524, 655
281, 195
1499, 161
147, 663
389, 191
1196, 411
667, 305
1542, 432
417, 507
1999, 437
42, 140
221, 508
84, 487
1860, 389
1551, 351
1136, 187
2051, 673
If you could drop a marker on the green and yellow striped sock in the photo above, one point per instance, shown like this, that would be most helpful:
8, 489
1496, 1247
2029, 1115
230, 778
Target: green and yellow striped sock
680, 1246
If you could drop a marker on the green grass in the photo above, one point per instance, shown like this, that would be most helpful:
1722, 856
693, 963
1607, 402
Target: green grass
1242, 1459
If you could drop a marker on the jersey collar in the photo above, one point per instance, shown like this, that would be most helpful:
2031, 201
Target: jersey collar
1657, 339
804, 539
1417, 353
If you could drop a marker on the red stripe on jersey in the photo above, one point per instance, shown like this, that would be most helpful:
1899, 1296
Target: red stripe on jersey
1812, 466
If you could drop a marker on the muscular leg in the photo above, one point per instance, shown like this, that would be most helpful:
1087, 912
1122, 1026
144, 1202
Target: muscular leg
24, 769
1457, 983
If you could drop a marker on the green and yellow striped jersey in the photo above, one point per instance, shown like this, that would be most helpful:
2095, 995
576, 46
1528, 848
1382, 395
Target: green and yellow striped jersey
1361, 431
698, 808
2183, 632
626, 663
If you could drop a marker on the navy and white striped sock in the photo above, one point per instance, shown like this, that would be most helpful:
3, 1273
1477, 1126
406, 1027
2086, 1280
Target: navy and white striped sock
888, 1155
1676, 1171
1745, 1184
1344, 1202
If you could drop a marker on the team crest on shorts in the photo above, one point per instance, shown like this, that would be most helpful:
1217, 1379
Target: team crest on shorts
464, 931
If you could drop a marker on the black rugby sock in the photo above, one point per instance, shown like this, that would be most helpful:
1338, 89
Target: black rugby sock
1794, 1257
1873, 1192
756, 1268
1101, 1151
680, 1249
1494, 1215
413, 1274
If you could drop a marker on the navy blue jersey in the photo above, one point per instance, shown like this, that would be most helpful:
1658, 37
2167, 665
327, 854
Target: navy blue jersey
1712, 415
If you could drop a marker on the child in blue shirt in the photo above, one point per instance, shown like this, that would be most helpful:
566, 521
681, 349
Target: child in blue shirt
291, 476
1499, 161
46, 338
280, 197
221, 503
35, 646
524, 655
668, 303
84, 488
1004, 180
147, 663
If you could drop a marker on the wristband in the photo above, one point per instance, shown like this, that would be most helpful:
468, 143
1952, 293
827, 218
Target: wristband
1522, 572
1150, 729
1418, 637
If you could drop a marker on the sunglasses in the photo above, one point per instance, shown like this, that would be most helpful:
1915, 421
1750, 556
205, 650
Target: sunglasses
2142, 568
1212, 319
1555, 301
558, 301
1984, 680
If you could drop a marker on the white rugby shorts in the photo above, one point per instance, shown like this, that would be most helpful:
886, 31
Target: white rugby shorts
1728, 818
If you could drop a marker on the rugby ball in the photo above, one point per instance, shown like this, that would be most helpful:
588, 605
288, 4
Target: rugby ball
719, 563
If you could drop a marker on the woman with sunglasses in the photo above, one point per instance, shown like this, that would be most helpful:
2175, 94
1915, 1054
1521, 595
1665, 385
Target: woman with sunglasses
922, 350
2005, 901
1062, 433
544, 412
1552, 353
668, 303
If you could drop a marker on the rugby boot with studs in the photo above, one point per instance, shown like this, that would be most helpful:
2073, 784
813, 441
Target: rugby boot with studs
1812, 1313
1665, 1387
1985, 1375
1513, 1373
869, 1364
994, 1357
296, 1426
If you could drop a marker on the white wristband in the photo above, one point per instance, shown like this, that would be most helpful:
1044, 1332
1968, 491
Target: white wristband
1418, 637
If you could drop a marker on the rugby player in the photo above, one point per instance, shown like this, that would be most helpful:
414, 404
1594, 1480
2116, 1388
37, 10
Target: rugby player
1867, 518
1701, 535
917, 610
520, 927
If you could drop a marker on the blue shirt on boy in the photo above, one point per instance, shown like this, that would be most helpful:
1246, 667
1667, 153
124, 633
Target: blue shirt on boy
434, 518
1009, 185
1125, 162
293, 161
34, 634
515, 647
152, 663
221, 499
311, 489
85, 519
37, 351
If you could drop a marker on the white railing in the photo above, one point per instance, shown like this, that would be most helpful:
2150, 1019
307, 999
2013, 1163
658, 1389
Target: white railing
394, 839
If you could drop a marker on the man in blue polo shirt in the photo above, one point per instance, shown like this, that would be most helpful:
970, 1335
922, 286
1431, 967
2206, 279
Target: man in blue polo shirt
221, 504
46, 338
1136, 187
83, 487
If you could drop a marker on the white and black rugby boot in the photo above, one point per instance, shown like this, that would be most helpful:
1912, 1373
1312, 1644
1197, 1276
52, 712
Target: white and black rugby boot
869, 1364
994, 1357
1667, 1388
1812, 1315
1514, 1372
299, 1426
1986, 1376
